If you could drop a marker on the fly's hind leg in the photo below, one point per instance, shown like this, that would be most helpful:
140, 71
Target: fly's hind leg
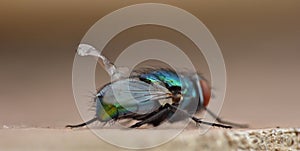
156, 118
82, 124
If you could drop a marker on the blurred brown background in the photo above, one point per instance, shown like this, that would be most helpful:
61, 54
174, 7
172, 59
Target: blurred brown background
259, 41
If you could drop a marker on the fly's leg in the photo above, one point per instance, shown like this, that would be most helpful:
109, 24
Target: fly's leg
197, 120
163, 113
155, 119
82, 124
225, 122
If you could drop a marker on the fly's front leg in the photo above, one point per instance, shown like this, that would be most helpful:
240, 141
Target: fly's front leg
225, 122
197, 120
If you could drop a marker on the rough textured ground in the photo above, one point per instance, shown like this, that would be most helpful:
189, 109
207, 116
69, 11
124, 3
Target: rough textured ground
37, 139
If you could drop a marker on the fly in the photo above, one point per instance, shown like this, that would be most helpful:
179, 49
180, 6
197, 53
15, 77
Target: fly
153, 96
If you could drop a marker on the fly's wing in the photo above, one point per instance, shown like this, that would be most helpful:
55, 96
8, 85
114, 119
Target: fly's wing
134, 95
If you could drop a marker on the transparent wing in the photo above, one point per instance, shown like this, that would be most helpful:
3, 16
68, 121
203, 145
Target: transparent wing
134, 95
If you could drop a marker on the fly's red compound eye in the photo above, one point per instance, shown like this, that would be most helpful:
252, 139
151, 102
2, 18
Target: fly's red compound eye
206, 92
